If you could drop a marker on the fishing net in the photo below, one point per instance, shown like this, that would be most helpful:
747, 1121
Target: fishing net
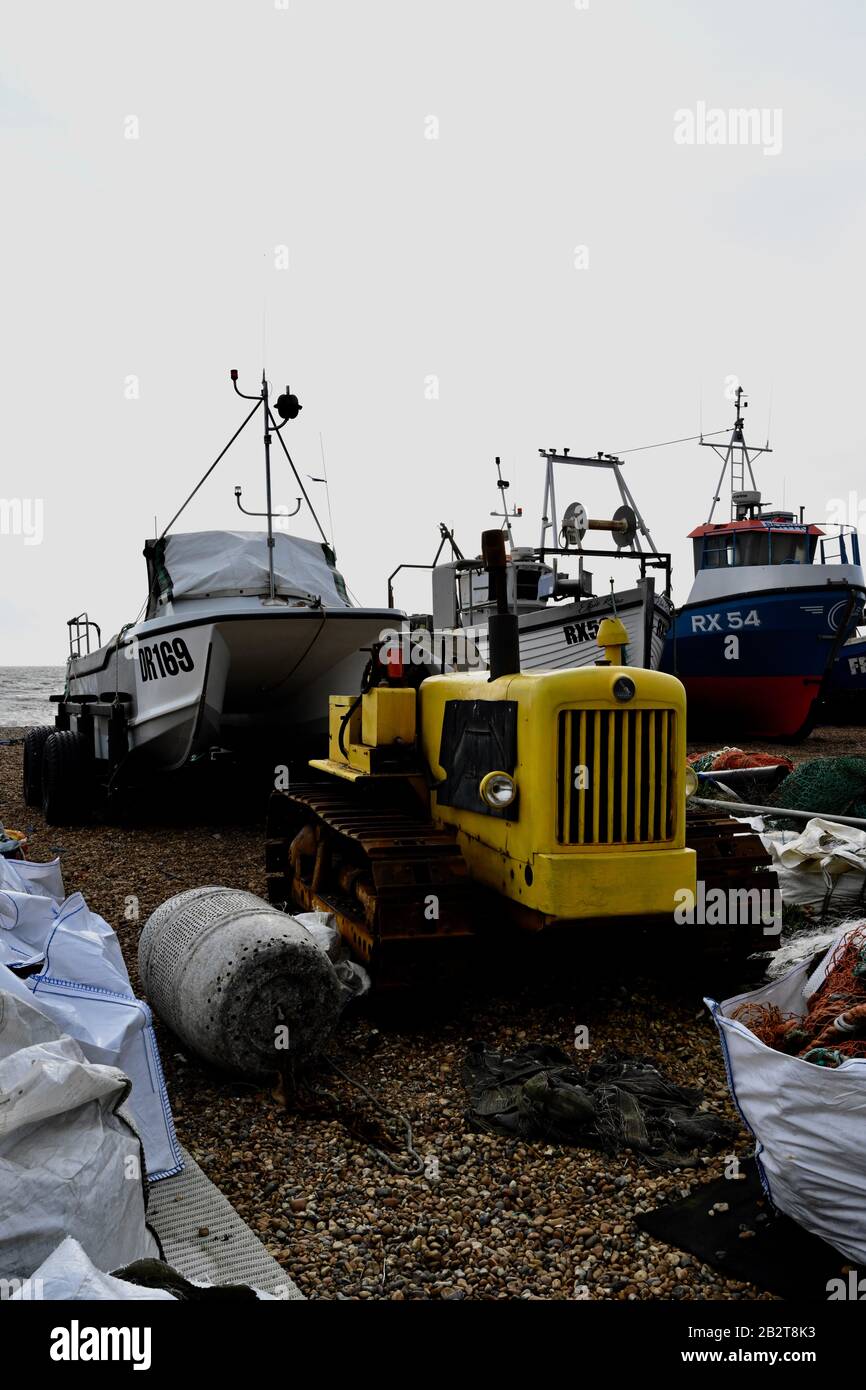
725, 759
616, 1103
834, 1025
826, 786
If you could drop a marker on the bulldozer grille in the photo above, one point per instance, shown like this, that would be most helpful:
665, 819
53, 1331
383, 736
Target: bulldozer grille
615, 776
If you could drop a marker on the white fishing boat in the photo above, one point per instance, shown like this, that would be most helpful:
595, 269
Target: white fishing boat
243, 636
557, 609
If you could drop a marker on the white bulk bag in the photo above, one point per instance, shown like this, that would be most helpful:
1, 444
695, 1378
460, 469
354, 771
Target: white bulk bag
809, 1122
69, 1276
29, 876
71, 1162
84, 987
821, 867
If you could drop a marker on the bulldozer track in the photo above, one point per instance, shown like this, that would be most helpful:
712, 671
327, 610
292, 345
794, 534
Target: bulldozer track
407, 879
394, 880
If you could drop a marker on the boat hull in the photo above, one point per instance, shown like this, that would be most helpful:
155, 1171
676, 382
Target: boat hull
255, 679
563, 636
844, 699
754, 664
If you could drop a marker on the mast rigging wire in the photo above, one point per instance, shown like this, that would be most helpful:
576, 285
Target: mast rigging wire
204, 479
686, 439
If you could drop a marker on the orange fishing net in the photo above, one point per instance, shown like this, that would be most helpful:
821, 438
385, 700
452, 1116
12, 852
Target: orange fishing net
735, 757
834, 1025
727, 758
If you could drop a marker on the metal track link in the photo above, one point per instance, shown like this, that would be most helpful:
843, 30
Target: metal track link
390, 877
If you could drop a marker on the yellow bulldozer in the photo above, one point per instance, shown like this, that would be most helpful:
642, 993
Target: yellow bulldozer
550, 799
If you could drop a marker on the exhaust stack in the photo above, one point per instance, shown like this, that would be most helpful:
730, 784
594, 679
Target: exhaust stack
502, 625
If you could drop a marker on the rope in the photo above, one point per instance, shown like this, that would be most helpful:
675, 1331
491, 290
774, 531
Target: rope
418, 1165
293, 1086
834, 1025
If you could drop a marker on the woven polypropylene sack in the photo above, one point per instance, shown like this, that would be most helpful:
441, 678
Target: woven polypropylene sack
809, 1122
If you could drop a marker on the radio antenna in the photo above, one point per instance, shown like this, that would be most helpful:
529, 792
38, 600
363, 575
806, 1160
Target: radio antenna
327, 494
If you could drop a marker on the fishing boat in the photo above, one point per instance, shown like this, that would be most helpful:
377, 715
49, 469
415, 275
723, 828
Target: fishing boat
844, 697
558, 610
773, 600
243, 636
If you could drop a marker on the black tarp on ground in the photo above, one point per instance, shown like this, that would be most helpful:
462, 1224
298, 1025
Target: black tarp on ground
780, 1257
615, 1103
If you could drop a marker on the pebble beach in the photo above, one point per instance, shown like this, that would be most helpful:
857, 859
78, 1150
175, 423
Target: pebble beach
492, 1218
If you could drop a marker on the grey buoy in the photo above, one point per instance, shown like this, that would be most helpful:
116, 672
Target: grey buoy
242, 984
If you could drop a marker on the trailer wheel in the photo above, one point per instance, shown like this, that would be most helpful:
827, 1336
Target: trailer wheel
65, 778
34, 744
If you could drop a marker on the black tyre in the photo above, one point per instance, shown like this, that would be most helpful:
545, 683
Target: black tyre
34, 743
66, 778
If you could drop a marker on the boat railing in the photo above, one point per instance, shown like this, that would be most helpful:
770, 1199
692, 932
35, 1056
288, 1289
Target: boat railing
79, 634
842, 548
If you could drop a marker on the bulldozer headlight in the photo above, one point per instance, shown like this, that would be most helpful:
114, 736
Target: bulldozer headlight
497, 790
624, 688
692, 781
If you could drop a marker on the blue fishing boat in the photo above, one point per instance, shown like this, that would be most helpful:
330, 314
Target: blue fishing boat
773, 601
844, 699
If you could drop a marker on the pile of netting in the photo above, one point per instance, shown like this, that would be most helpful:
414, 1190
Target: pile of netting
825, 786
834, 1025
616, 1103
724, 759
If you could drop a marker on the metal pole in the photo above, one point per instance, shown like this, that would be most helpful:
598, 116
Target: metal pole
729, 454
271, 587
739, 807
502, 486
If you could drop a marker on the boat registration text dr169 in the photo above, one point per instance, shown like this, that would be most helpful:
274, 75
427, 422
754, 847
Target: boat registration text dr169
159, 659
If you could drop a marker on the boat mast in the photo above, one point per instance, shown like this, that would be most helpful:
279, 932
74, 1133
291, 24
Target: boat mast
507, 515
288, 408
737, 457
271, 587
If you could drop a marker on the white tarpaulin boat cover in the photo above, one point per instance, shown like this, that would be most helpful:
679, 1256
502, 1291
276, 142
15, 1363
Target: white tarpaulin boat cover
211, 564
83, 987
70, 1159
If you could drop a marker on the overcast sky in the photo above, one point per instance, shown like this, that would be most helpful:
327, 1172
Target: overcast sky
138, 271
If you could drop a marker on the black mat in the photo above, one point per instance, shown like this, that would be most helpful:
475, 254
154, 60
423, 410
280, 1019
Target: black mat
780, 1257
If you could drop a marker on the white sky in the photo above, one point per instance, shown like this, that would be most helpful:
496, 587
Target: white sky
305, 126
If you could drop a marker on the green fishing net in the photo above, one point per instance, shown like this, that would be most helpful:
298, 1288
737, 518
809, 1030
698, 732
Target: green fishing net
828, 786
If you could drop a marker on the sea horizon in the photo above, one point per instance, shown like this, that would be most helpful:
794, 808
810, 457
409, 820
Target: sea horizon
24, 694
